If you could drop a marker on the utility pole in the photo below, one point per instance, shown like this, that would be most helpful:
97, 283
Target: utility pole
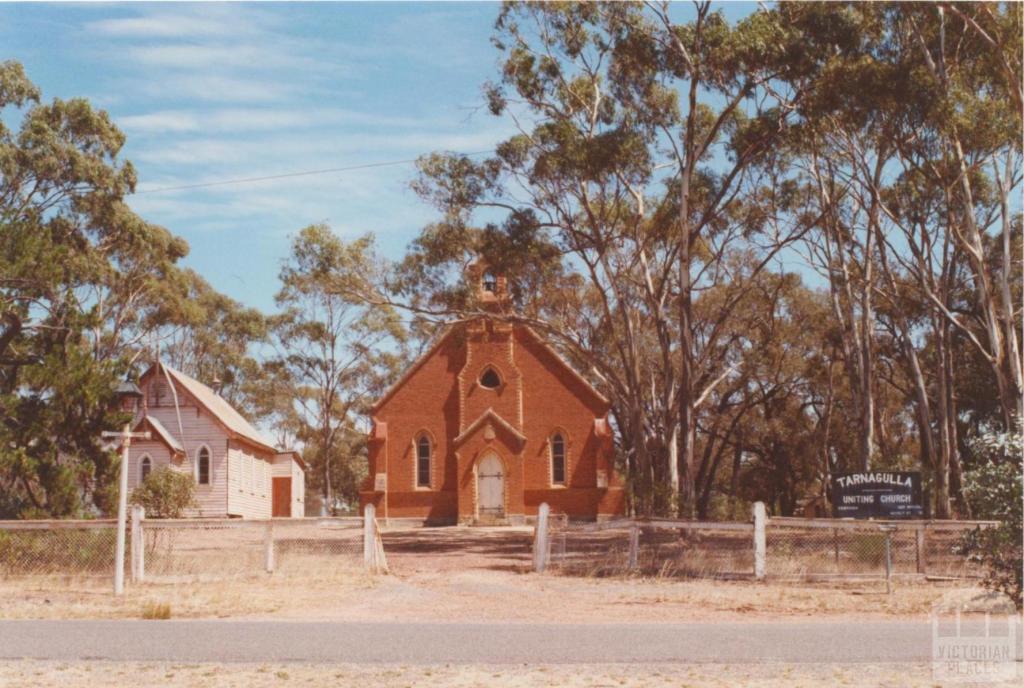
129, 395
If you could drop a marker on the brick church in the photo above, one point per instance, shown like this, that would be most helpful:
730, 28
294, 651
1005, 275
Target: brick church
488, 424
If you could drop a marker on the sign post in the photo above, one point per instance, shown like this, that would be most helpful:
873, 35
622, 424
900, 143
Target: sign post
877, 494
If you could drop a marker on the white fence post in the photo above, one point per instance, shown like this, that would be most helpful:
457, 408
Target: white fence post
634, 546
760, 540
541, 549
268, 547
138, 545
369, 536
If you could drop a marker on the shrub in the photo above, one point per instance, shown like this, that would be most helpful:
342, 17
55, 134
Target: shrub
994, 490
156, 610
165, 493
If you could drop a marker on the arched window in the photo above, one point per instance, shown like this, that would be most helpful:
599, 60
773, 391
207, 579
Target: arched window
423, 462
557, 459
490, 282
203, 465
490, 378
144, 467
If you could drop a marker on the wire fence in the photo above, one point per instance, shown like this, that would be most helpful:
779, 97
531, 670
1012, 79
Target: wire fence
184, 550
78, 548
659, 548
822, 549
805, 549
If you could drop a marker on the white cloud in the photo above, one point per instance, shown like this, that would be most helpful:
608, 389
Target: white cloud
213, 87
255, 119
263, 54
165, 121
286, 153
203, 20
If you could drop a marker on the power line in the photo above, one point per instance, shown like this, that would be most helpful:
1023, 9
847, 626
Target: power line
305, 173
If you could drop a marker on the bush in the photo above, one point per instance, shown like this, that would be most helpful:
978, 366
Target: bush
995, 490
156, 610
165, 493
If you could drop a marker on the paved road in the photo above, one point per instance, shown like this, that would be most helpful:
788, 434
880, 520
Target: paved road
411, 643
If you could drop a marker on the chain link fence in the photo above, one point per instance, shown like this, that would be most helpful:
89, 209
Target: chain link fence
652, 548
794, 548
186, 550
70, 548
822, 549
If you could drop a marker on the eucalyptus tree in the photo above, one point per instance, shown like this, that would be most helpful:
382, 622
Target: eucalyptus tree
216, 340
80, 277
913, 149
644, 158
969, 57
334, 354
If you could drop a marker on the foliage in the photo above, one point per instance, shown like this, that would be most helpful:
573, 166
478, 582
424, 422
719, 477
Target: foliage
211, 337
82, 278
996, 491
333, 356
87, 289
165, 493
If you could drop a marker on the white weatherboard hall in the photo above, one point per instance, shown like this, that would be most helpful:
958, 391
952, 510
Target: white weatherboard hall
238, 472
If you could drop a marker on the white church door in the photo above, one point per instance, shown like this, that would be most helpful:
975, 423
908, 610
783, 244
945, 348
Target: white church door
490, 484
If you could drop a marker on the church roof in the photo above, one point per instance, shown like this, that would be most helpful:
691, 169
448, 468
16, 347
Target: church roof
217, 407
162, 433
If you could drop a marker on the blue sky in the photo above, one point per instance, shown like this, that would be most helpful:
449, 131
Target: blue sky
208, 92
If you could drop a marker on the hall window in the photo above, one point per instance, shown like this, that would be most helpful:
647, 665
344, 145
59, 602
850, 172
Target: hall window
490, 379
557, 459
203, 466
423, 462
144, 468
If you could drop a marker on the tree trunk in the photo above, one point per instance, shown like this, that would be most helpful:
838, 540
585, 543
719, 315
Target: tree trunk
941, 474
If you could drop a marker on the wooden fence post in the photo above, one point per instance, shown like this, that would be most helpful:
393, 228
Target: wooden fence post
369, 536
268, 547
634, 547
760, 540
919, 549
138, 545
541, 548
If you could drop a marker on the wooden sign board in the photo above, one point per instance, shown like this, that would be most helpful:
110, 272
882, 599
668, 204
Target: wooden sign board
877, 494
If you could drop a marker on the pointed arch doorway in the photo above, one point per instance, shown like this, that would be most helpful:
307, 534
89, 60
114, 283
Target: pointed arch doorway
490, 487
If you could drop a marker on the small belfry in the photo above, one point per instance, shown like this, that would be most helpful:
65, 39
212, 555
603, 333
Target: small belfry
491, 286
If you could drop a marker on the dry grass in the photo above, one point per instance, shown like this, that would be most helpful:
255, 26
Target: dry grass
255, 595
37, 674
156, 611
469, 596
470, 575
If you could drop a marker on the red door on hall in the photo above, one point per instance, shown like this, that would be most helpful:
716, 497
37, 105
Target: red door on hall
282, 504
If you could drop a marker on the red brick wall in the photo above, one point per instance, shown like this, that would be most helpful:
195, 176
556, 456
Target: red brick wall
538, 396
